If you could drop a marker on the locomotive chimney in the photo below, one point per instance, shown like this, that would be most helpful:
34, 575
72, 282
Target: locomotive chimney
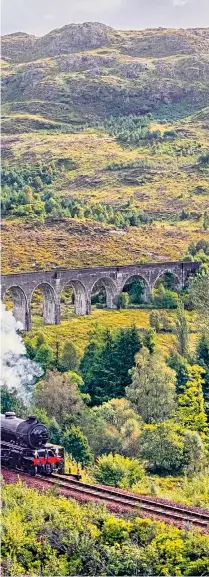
32, 419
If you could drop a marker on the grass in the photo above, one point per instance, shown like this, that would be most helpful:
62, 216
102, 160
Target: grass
191, 491
182, 489
73, 243
77, 328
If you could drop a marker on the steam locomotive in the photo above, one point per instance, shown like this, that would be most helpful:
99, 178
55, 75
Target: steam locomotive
24, 446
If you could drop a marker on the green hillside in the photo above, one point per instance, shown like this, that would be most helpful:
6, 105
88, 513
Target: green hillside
110, 129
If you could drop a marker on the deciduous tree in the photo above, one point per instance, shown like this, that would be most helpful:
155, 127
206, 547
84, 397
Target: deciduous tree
191, 402
152, 391
76, 444
58, 396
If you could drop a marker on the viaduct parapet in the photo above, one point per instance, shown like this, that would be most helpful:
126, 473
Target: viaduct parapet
83, 280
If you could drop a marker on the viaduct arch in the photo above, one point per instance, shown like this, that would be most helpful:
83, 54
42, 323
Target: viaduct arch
83, 280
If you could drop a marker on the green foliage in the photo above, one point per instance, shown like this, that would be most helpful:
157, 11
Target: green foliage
203, 361
21, 188
165, 298
181, 331
193, 451
43, 534
206, 220
69, 358
76, 444
191, 402
123, 301
152, 391
181, 366
130, 129
160, 321
196, 247
28, 193
113, 427
162, 447
136, 291
199, 296
10, 401
203, 159
105, 366
45, 356
118, 471
150, 341
59, 396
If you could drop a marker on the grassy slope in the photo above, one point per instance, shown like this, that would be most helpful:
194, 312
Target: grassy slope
72, 243
76, 329
53, 85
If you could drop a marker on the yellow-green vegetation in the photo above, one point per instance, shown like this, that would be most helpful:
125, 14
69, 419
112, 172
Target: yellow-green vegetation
50, 535
73, 243
191, 491
77, 328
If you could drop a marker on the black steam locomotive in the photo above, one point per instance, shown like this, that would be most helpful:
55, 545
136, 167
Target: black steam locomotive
24, 446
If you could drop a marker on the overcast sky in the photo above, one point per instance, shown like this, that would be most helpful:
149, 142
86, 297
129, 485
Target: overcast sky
40, 16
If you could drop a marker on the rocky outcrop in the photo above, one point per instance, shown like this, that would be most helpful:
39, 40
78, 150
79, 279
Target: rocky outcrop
93, 71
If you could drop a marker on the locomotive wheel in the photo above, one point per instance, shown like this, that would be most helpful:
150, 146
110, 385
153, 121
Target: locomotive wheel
48, 469
32, 470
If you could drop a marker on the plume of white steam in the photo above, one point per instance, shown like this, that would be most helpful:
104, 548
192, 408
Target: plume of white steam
17, 371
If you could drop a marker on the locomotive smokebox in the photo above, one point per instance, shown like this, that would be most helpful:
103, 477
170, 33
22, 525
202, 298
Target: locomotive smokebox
28, 433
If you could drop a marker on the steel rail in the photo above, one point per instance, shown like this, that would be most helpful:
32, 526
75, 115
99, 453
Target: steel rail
130, 500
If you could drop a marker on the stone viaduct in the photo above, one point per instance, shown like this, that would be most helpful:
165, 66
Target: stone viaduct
83, 280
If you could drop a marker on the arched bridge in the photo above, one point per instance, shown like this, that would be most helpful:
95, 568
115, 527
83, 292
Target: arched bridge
83, 280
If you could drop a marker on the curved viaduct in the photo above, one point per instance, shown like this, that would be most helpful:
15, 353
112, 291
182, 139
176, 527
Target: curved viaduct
83, 280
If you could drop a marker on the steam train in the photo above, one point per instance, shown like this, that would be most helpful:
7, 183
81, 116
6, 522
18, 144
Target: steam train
24, 446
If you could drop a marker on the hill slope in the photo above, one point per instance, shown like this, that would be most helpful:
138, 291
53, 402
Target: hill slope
76, 126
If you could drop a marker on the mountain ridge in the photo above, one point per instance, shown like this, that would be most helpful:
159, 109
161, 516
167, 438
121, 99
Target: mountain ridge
91, 35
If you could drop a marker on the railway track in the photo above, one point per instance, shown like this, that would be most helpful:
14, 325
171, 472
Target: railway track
130, 501
122, 500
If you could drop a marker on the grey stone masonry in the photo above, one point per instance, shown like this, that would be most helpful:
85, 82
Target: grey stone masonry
83, 280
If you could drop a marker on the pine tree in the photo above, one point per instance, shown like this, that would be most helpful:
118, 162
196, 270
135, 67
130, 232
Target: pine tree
105, 366
150, 341
69, 358
203, 361
181, 331
45, 356
128, 343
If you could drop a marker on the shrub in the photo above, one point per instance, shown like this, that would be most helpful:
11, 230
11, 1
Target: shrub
165, 299
118, 471
123, 301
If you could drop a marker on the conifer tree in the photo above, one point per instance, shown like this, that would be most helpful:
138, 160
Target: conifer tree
203, 361
181, 331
